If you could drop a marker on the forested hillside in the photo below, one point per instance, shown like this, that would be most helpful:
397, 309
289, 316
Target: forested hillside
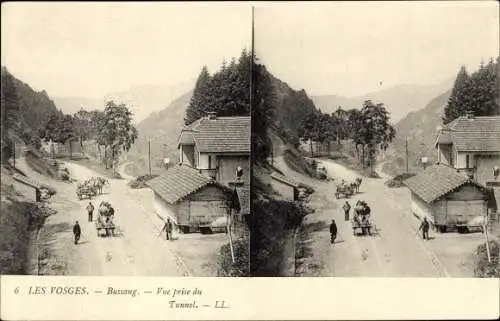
23, 110
163, 129
477, 93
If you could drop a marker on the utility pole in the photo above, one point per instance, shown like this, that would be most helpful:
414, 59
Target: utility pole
406, 153
149, 155
250, 99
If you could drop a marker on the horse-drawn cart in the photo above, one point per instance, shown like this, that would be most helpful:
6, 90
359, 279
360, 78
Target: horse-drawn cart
104, 222
362, 223
345, 190
107, 227
363, 226
85, 191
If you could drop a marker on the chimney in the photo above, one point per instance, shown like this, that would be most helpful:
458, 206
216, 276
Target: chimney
212, 115
469, 114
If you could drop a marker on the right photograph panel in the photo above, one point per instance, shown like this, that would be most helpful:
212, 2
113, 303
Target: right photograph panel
376, 140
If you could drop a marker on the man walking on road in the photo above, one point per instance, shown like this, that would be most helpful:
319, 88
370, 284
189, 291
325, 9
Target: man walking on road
347, 208
90, 211
77, 231
333, 232
425, 229
168, 229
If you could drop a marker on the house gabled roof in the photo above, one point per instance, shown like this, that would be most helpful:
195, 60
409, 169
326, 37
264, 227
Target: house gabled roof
220, 135
436, 181
178, 182
285, 180
478, 134
186, 138
26, 180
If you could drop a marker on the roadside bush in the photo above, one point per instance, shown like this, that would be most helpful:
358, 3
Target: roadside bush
272, 221
140, 181
240, 268
17, 220
483, 268
398, 181
47, 191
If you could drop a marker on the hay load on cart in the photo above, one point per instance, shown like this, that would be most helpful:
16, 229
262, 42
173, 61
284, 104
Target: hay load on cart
85, 190
91, 187
105, 225
362, 223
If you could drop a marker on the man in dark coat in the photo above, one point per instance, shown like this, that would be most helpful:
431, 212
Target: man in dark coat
333, 232
347, 208
77, 231
168, 227
425, 229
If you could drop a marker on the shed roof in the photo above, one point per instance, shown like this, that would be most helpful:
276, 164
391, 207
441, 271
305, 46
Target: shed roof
26, 180
179, 182
481, 134
436, 181
220, 135
285, 180
243, 194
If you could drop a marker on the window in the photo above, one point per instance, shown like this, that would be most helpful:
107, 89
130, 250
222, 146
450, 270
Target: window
467, 161
209, 161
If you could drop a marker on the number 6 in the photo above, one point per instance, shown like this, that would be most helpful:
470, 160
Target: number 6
16, 291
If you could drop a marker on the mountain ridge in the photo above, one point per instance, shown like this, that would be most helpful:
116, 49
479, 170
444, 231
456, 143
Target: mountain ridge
399, 100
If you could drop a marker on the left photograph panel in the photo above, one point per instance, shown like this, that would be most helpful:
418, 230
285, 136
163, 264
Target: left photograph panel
125, 141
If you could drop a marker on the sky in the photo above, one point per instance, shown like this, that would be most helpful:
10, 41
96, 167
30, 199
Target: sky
93, 49
349, 49
352, 49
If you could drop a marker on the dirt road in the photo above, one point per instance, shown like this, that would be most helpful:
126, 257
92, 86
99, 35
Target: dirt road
397, 250
137, 250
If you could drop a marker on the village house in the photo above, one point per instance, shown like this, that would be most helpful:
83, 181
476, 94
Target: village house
211, 182
29, 188
448, 198
472, 146
189, 198
288, 188
217, 146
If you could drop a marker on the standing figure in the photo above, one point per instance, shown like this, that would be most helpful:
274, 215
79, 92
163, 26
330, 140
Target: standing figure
90, 211
496, 172
425, 229
167, 228
77, 231
347, 208
333, 232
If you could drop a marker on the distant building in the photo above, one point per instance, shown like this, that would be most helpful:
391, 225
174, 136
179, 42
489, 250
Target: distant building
472, 146
29, 188
447, 197
217, 146
287, 187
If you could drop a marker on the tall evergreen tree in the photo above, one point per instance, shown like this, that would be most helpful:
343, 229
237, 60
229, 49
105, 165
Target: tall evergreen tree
263, 111
460, 99
197, 105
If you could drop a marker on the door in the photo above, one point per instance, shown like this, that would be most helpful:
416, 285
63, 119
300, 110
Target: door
465, 211
202, 212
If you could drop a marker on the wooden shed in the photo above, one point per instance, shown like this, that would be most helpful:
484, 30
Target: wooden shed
448, 198
29, 188
287, 187
189, 198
